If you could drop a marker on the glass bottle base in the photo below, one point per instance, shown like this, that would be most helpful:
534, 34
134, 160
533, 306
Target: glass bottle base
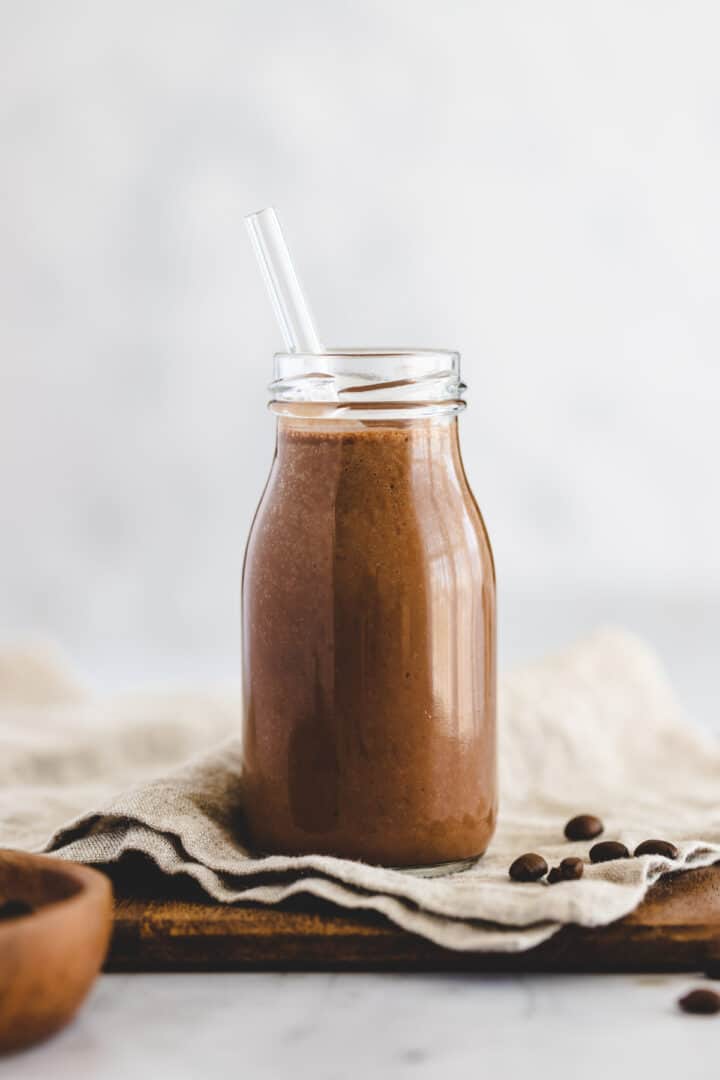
438, 869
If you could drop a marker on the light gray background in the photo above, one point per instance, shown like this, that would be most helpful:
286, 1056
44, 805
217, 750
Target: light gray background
534, 184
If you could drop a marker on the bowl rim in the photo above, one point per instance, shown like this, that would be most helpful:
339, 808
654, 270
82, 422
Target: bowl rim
92, 886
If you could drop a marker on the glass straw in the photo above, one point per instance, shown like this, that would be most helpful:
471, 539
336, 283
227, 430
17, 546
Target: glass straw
288, 300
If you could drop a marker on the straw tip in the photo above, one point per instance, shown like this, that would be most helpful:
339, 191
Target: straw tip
258, 213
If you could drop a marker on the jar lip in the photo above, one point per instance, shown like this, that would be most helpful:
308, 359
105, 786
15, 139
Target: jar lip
389, 352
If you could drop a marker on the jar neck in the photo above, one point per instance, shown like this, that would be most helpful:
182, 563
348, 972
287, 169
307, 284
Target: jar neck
421, 442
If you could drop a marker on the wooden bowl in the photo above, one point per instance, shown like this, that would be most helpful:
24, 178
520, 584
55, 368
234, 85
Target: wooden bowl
50, 958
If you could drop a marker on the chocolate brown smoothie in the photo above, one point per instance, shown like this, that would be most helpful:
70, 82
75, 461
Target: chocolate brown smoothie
369, 653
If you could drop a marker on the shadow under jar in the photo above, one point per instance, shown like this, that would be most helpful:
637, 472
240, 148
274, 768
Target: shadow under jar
369, 621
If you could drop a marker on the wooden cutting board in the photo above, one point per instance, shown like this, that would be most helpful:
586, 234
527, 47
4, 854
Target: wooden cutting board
676, 928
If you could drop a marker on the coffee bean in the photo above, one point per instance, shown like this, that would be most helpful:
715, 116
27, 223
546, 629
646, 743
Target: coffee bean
571, 869
528, 867
657, 847
583, 827
607, 850
704, 1002
554, 876
12, 909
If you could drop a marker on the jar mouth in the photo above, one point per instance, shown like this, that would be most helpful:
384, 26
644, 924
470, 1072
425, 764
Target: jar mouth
354, 380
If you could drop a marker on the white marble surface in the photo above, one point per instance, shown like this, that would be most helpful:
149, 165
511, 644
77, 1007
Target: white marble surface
339, 1027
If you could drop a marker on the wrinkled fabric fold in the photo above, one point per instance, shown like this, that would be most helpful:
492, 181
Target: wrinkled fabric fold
595, 728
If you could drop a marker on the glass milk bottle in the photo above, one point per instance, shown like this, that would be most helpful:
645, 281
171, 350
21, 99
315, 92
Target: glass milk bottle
369, 620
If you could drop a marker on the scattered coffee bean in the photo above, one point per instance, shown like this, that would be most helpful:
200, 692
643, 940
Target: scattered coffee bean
607, 850
584, 827
568, 870
657, 847
571, 869
528, 867
704, 1002
12, 909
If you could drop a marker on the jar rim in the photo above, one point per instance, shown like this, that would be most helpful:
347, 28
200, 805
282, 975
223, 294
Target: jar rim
402, 381
392, 352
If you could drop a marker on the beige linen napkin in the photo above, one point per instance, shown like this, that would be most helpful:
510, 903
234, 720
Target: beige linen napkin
594, 729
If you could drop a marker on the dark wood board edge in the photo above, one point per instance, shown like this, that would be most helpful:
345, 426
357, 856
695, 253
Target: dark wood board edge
571, 950
677, 928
